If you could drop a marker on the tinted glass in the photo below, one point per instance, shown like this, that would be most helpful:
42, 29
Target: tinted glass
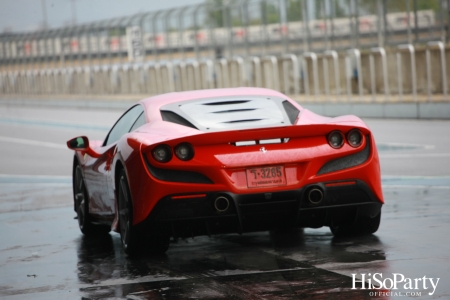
123, 125
231, 112
139, 122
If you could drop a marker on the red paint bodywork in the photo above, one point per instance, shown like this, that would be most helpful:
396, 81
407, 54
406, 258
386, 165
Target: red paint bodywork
218, 158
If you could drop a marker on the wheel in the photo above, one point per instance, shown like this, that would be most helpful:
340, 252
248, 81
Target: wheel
370, 226
158, 244
82, 207
362, 227
127, 230
341, 230
135, 241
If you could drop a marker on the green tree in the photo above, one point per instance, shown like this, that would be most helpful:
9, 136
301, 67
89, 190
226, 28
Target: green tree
215, 13
294, 10
400, 6
269, 12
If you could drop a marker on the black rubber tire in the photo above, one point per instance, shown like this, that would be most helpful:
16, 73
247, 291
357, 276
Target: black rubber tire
135, 241
362, 227
82, 207
370, 226
128, 233
342, 230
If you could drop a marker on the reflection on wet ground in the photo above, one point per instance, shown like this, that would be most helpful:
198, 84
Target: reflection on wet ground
274, 265
43, 256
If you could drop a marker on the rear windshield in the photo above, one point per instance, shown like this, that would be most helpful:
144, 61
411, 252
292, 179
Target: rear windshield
228, 113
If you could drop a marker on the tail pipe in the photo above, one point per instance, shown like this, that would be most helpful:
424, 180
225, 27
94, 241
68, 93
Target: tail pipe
315, 195
221, 204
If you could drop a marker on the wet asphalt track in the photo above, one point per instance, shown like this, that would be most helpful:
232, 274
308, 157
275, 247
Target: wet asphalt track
44, 256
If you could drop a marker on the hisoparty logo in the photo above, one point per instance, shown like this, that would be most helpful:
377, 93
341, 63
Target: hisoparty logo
396, 282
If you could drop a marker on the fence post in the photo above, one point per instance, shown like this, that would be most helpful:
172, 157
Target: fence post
443, 68
195, 79
357, 55
207, 77
241, 78
295, 73
315, 70
410, 49
223, 74
257, 82
382, 53
170, 75
274, 64
337, 80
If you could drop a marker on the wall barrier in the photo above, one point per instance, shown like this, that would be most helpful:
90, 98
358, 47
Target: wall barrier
337, 80
440, 45
411, 50
289, 73
382, 53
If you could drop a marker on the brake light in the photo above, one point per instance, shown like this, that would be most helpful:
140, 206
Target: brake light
354, 138
184, 151
336, 139
162, 153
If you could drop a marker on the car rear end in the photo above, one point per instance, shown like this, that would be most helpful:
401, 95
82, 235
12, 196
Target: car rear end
239, 178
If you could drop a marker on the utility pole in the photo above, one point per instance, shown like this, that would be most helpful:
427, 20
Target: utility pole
44, 14
74, 12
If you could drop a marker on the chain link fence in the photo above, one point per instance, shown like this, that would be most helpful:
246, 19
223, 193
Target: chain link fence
323, 49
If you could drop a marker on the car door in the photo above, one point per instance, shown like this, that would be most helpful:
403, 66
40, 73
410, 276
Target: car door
99, 172
141, 120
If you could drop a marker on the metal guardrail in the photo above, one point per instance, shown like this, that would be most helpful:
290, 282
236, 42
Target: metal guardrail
411, 50
443, 68
358, 75
334, 55
235, 27
315, 72
292, 74
382, 53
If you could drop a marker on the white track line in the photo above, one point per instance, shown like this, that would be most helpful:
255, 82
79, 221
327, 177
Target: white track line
33, 142
34, 176
413, 155
399, 186
421, 146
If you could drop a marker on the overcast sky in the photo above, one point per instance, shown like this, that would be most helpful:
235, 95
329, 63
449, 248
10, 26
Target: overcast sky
26, 15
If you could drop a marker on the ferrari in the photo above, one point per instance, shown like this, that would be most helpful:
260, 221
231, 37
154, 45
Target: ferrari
224, 161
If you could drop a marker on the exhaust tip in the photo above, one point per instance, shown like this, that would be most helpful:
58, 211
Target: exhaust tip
221, 204
315, 196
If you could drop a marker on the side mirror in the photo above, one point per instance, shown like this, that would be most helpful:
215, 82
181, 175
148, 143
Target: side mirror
81, 143
78, 143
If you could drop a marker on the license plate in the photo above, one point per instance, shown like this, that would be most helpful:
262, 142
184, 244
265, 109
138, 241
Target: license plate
266, 176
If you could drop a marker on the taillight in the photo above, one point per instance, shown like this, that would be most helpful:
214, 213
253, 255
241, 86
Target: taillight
184, 151
162, 153
354, 138
336, 139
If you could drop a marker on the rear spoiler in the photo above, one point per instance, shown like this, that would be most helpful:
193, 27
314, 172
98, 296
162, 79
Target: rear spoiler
258, 134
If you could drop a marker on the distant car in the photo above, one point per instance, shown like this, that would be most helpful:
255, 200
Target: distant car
225, 161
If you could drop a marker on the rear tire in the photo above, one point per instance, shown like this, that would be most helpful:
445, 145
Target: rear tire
82, 207
135, 241
128, 233
362, 227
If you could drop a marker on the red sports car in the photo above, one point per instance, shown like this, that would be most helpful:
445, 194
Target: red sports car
224, 161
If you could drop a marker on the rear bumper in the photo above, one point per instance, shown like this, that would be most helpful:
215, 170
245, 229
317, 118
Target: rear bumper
262, 211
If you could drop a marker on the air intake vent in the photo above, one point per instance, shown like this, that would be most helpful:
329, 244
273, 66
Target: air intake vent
175, 118
243, 121
233, 111
227, 102
230, 113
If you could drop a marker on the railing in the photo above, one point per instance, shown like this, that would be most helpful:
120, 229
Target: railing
242, 28
368, 75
